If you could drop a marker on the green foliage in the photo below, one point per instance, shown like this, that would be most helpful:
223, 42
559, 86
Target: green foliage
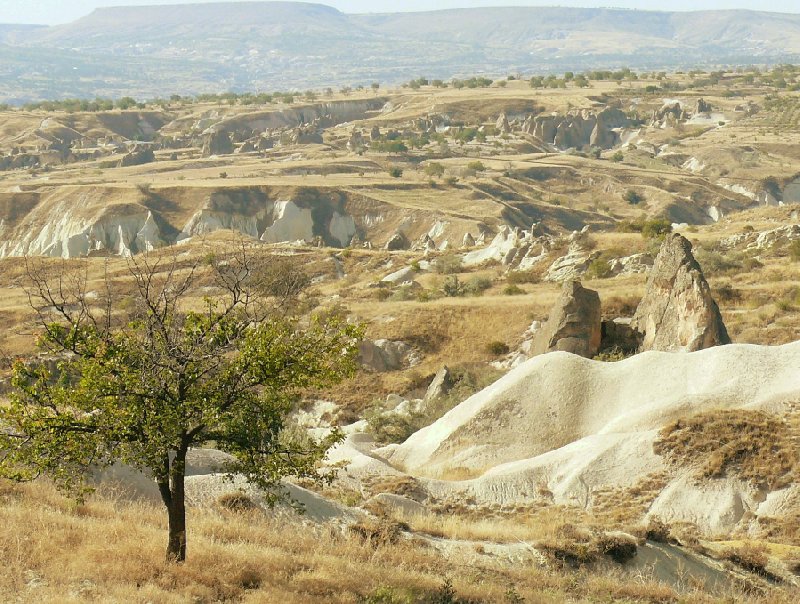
395, 172
657, 228
387, 146
448, 264
453, 287
475, 286
434, 170
599, 268
633, 197
144, 392
476, 166
513, 290
618, 157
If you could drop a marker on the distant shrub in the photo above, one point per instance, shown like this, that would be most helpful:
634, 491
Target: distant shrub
448, 264
477, 285
434, 169
633, 197
520, 277
236, 502
513, 290
599, 268
395, 172
452, 287
497, 348
476, 166
794, 250
618, 157
656, 228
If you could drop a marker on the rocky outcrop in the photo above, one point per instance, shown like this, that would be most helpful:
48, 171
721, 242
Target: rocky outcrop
217, 143
579, 129
384, 355
677, 312
137, 158
396, 242
574, 323
441, 384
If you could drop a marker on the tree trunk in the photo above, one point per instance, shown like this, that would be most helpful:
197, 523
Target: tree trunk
176, 508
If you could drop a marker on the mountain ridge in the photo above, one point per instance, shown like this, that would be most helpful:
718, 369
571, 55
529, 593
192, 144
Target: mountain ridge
279, 45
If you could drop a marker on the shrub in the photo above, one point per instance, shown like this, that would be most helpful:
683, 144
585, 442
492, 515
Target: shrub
599, 268
715, 262
452, 287
513, 290
497, 348
476, 166
633, 197
477, 285
223, 175
520, 277
236, 502
618, 157
395, 172
752, 558
754, 445
794, 250
656, 228
448, 264
434, 169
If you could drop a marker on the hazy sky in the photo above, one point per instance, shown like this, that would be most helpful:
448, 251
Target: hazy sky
63, 11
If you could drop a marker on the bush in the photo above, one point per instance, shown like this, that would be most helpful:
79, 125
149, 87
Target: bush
447, 264
395, 172
452, 287
513, 290
794, 250
632, 197
520, 277
599, 268
476, 166
477, 285
434, 169
618, 157
497, 348
656, 228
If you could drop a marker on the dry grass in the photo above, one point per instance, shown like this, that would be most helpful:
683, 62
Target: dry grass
111, 551
753, 445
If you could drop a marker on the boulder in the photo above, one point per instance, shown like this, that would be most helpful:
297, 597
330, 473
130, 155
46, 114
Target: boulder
574, 323
137, 158
217, 143
383, 355
702, 106
397, 242
441, 384
677, 312
468, 241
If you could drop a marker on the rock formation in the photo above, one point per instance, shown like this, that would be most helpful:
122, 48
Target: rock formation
677, 312
396, 242
217, 143
441, 384
574, 323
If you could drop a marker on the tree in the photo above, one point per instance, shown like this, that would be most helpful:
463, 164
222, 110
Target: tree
174, 375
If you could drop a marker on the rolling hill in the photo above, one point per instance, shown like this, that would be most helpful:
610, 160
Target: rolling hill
269, 45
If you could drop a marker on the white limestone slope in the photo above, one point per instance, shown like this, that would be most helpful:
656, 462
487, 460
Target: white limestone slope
573, 427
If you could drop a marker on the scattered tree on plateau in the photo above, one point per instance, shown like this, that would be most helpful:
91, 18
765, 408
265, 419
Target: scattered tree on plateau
173, 374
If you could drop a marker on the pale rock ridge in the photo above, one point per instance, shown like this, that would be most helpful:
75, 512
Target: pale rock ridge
576, 427
678, 312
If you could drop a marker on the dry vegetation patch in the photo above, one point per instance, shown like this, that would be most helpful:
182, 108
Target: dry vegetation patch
756, 446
